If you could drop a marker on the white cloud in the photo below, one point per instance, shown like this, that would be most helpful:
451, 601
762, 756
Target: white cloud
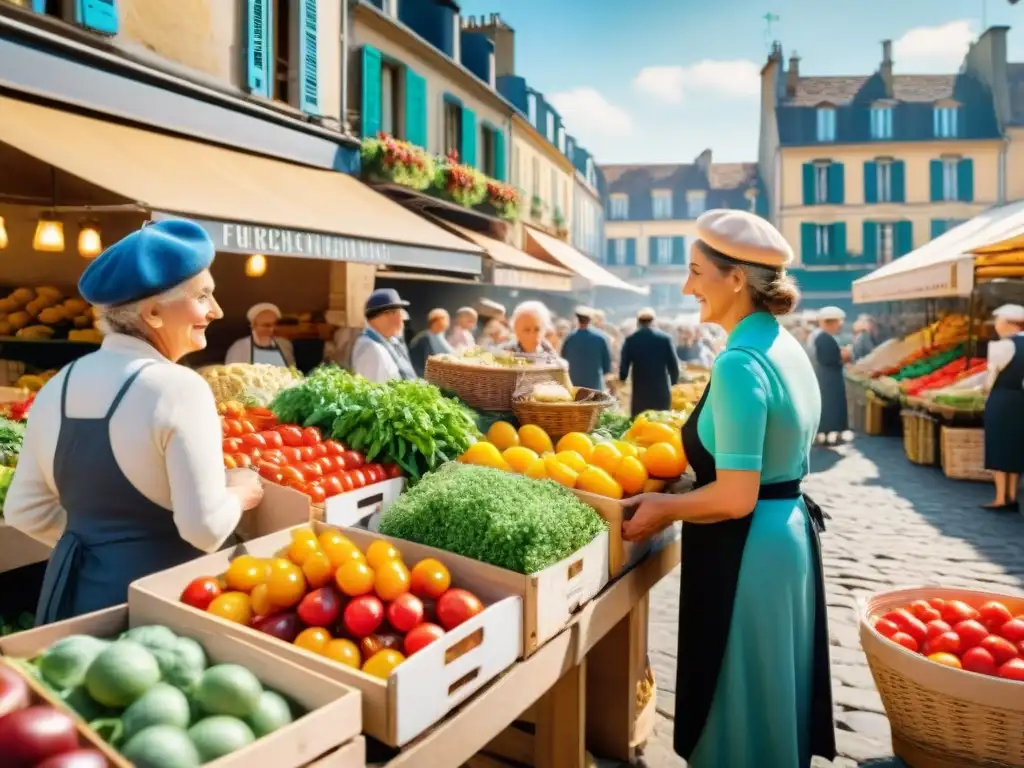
939, 49
590, 117
735, 79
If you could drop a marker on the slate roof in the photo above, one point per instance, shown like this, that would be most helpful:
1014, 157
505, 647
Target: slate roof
843, 90
725, 184
1015, 76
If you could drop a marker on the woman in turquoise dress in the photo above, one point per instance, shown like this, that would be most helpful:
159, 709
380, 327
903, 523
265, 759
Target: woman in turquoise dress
753, 685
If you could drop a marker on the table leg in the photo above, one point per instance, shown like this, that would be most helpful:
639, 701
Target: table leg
561, 722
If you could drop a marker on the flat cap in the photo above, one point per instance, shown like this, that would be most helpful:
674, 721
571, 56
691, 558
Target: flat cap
831, 313
1013, 313
147, 262
744, 237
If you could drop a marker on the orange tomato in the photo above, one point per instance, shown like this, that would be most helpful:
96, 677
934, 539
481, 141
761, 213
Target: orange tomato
245, 572
383, 663
946, 659
355, 578
392, 580
260, 600
343, 651
338, 548
631, 475
606, 456
304, 544
233, 606
287, 583
318, 570
664, 460
313, 639
380, 552
429, 579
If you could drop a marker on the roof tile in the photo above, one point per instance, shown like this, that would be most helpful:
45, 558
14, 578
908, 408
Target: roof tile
843, 90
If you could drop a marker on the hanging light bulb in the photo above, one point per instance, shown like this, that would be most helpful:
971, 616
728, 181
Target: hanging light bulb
256, 265
49, 234
3, 234
90, 244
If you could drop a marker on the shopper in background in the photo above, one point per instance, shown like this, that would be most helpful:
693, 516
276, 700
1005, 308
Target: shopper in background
461, 334
261, 345
379, 354
865, 337
530, 323
588, 353
122, 466
431, 341
828, 359
688, 345
651, 356
1004, 408
494, 331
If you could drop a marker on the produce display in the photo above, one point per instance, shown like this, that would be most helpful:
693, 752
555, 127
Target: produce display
611, 425
493, 516
944, 376
33, 382
12, 433
486, 358
46, 313
686, 394
249, 383
367, 610
22, 623
987, 639
153, 696
18, 410
408, 423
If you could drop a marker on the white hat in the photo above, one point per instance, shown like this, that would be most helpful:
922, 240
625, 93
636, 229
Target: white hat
1013, 313
744, 237
831, 313
645, 314
258, 309
584, 312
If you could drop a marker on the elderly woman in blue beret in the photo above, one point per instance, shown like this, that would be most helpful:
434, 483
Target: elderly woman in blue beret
122, 467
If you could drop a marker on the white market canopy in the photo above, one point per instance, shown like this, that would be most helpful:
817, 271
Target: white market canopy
943, 267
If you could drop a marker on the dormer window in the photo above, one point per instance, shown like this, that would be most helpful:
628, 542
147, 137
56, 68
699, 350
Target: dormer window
946, 120
826, 123
531, 108
751, 195
881, 121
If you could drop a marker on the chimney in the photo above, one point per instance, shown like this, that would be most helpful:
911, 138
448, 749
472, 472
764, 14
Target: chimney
793, 75
504, 39
886, 68
703, 161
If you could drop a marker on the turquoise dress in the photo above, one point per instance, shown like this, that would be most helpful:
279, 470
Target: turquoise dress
753, 685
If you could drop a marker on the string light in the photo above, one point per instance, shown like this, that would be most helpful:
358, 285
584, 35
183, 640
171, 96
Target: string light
3, 234
49, 235
90, 243
256, 265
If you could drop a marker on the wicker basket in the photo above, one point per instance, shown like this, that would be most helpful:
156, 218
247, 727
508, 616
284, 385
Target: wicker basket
927, 447
963, 454
943, 717
856, 400
911, 435
874, 408
558, 419
487, 388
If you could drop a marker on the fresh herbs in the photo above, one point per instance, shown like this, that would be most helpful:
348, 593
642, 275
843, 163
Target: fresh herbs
12, 433
495, 517
6, 476
409, 423
614, 423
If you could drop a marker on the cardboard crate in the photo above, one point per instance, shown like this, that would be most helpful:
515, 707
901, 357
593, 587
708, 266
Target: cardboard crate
420, 691
333, 710
364, 503
350, 755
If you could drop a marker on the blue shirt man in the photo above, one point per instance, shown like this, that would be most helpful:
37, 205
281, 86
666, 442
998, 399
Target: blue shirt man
588, 352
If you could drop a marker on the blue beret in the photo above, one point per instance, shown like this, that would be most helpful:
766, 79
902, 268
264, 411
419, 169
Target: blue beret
147, 262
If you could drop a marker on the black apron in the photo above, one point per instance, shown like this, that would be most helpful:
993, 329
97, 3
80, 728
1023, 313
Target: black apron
267, 355
1004, 415
711, 558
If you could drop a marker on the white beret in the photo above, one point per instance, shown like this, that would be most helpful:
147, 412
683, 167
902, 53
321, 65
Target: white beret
1013, 313
258, 309
745, 237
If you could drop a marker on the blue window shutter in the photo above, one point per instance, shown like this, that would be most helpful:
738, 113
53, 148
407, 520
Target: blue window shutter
965, 180
609, 248
309, 90
39, 6
679, 250
631, 252
499, 155
258, 47
808, 183
938, 227
836, 184
898, 181
936, 180
870, 230
838, 242
415, 108
652, 250
870, 182
371, 110
808, 243
97, 15
468, 151
903, 236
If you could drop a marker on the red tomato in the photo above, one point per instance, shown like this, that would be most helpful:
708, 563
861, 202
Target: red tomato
273, 456
308, 452
334, 448
885, 627
902, 638
232, 445
978, 660
271, 472
393, 471
311, 436
937, 627
363, 615
1013, 630
347, 483
254, 441
201, 592
994, 614
242, 460
272, 439
291, 435
332, 485
326, 464
924, 611
316, 492
908, 623
248, 428
232, 428
354, 460
937, 602
971, 633
946, 659
290, 476
376, 473
310, 471
405, 612
320, 608
1002, 650
457, 606
421, 636
947, 642
955, 611
319, 450
1012, 670
230, 463
291, 455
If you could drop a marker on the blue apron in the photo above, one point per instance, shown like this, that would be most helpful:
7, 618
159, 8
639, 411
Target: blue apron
114, 535
396, 351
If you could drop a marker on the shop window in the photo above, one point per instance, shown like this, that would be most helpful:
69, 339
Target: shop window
452, 127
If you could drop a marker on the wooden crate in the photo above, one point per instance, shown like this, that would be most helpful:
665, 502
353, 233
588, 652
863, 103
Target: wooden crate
963, 454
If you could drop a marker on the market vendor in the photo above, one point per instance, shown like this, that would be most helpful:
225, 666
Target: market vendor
1004, 408
651, 357
753, 635
461, 334
122, 465
261, 345
828, 359
431, 341
380, 354
530, 323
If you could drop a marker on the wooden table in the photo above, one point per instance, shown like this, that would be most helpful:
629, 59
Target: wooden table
594, 664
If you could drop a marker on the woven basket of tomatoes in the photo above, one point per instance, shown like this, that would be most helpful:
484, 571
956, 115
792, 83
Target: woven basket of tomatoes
949, 665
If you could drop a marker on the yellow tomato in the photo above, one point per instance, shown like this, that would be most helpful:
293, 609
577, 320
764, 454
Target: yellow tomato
606, 456
536, 439
572, 459
654, 485
655, 432
536, 470
245, 572
260, 601
631, 475
595, 480
339, 548
579, 442
233, 606
559, 472
318, 570
344, 652
303, 545
519, 458
287, 583
484, 454
313, 639
383, 663
429, 579
355, 578
664, 460
503, 435
379, 552
626, 449
392, 580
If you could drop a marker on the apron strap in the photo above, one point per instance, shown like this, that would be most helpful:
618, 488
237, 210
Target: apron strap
64, 391
124, 389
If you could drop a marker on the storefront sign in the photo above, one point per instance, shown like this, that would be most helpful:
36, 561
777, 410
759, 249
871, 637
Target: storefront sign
238, 237
538, 281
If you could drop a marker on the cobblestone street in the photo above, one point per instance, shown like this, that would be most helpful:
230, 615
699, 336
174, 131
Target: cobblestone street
893, 524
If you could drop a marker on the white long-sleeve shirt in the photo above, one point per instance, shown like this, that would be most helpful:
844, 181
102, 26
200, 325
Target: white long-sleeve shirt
165, 435
1000, 353
371, 361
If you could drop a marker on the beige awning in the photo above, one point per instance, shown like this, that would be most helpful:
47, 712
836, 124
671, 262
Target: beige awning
256, 204
563, 253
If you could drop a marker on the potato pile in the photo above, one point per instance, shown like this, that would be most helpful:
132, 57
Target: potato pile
39, 313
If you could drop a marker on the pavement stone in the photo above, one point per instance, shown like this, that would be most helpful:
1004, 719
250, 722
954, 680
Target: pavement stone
893, 525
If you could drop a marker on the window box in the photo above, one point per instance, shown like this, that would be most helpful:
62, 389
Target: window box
386, 159
536, 208
504, 199
460, 183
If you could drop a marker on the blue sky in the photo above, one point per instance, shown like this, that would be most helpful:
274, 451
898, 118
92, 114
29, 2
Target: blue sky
662, 80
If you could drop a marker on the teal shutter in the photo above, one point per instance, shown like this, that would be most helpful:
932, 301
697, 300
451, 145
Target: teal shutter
258, 47
631, 252
808, 243
938, 228
499, 155
898, 181
97, 15
870, 182
965, 180
837, 242
609, 248
870, 230
652, 251
468, 151
415, 109
808, 183
679, 250
903, 238
836, 191
39, 6
309, 90
936, 180
371, 110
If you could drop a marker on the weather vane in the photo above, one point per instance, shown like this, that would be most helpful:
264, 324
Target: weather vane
769, 18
